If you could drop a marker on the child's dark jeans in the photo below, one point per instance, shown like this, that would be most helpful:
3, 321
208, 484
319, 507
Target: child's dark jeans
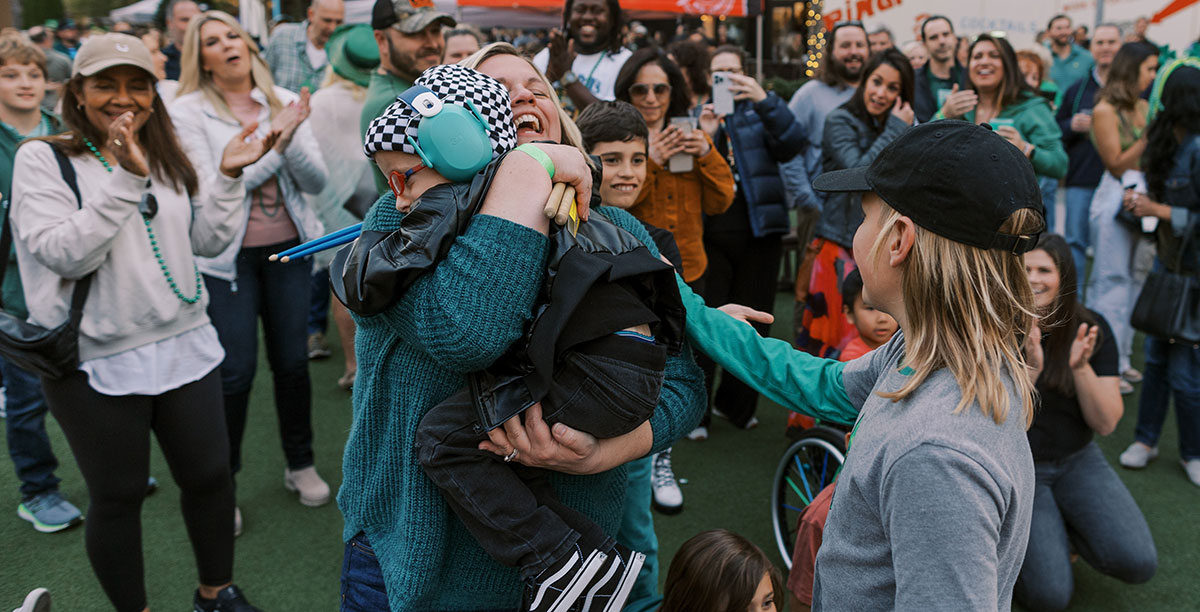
606, 387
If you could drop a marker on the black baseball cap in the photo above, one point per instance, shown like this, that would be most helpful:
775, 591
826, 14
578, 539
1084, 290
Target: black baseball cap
956, 179
408, 16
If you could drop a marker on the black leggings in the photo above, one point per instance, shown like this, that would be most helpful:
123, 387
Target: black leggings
110, 437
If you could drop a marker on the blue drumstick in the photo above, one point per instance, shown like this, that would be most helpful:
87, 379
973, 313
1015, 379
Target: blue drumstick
353, 230
317, 248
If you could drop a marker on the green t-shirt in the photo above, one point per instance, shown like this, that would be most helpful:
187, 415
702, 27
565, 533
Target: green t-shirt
381, 92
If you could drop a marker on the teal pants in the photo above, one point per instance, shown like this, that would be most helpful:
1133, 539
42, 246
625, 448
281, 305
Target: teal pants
637, 532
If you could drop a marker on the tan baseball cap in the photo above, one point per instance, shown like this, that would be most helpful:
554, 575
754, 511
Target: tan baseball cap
108, 50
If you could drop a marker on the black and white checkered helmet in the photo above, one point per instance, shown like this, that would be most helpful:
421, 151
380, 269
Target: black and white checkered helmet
453, 84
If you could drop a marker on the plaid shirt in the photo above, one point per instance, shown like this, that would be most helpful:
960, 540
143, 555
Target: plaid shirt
288, 58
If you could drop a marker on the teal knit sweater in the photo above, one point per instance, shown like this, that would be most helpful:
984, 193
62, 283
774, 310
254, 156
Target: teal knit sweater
460, 318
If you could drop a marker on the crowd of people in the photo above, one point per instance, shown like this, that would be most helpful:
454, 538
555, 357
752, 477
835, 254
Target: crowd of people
971, 350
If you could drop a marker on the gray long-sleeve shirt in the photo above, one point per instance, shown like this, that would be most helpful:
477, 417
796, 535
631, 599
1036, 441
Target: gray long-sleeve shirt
810, 104
932, 508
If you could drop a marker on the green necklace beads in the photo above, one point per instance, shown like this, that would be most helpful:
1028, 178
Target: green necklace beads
154, 244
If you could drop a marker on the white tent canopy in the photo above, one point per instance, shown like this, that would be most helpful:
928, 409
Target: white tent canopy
138, 12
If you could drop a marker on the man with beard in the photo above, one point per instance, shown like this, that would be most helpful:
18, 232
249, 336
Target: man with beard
835, 83
1072, 63
296, 53
1084, 167
584, 61
410, 41
936, 79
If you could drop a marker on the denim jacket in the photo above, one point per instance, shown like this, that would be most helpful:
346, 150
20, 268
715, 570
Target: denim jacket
850, 143
1183, 196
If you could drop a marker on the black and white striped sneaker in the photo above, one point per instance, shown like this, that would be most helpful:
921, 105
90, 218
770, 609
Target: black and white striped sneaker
611, 587
559, 586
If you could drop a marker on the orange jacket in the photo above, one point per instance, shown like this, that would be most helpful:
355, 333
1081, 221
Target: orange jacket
678, 203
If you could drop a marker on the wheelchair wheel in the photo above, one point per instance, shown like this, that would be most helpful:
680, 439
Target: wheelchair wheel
808, 465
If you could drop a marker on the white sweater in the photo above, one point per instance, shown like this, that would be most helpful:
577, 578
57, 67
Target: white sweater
130, 303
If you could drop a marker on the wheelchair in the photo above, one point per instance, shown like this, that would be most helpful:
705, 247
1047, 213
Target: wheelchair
810, 463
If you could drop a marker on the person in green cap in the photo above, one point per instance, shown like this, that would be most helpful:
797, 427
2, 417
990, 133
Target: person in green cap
410, 41
350, 190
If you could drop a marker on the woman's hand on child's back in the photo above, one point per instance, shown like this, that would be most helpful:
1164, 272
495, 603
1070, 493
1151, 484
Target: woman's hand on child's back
537, 445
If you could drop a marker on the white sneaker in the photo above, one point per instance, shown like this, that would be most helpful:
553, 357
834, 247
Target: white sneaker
1192, 467
1138, 455
38, 600
699, 434
305, 481
668, 498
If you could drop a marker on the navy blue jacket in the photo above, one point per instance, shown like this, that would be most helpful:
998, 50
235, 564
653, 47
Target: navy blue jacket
763, 135
1084, 167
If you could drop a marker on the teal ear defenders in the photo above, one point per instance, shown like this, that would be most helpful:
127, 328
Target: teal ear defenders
453, 140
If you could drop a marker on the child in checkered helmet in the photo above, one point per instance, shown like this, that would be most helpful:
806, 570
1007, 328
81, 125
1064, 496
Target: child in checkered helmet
607, 316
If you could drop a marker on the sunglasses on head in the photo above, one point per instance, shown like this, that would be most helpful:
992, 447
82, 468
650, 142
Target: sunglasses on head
853, 23
641, 90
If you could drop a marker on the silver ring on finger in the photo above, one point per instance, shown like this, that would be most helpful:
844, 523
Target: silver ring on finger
513, 455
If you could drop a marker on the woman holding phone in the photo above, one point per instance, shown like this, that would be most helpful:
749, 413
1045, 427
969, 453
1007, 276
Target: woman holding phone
687, 177
756, 132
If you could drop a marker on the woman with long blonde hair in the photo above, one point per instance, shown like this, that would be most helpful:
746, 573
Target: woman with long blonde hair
225, 87
939, 475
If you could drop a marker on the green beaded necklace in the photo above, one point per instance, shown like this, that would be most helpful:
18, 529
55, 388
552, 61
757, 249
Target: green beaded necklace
154, 243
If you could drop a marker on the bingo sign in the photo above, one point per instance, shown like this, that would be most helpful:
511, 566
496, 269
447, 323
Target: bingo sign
1020, 19
843, 10
730, 8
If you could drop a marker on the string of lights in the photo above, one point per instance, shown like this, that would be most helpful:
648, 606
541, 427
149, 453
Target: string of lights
815, 27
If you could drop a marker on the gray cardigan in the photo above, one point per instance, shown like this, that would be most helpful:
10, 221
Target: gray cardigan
849, 143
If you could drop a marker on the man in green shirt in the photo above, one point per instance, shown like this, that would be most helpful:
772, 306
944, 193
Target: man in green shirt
410, 41
1072, 63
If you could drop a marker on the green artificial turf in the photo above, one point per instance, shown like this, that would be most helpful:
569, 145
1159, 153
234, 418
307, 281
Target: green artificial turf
289, 558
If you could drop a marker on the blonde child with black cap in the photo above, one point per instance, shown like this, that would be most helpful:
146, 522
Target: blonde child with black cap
933, 505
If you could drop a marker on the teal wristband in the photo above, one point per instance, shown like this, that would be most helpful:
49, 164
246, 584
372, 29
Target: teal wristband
539, 156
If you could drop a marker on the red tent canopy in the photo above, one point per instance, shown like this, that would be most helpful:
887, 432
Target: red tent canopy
731, 8
1171, 9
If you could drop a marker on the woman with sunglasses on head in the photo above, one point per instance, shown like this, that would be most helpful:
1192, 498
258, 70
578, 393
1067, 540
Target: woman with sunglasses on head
225, 87
148, 353
1079, 503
